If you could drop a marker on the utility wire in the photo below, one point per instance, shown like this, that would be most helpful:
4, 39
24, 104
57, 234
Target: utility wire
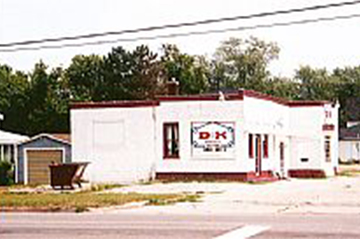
184, 24
243, 28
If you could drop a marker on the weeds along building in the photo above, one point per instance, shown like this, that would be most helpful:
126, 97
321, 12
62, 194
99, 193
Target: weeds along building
238, 136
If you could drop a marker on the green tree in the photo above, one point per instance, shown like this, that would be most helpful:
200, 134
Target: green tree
243, 63
14, 87
48, 101
132, 75
283, 87
148, 75
316, 84
348, 93
192, 72
85, 77
118, 74
39, 86
57, 102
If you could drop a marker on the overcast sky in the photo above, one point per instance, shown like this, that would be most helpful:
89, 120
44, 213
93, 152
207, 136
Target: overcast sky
326, 44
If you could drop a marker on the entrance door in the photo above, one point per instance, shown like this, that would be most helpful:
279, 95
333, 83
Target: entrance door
258, 154
282, 160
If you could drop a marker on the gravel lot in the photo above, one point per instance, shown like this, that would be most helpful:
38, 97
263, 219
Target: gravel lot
332, 195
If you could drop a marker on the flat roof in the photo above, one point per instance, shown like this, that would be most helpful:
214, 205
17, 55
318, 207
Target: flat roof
238, 95
114, 104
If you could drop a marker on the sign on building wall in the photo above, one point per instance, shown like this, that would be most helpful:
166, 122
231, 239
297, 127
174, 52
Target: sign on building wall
213, 139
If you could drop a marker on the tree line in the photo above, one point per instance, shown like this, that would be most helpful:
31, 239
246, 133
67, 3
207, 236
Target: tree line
38, 101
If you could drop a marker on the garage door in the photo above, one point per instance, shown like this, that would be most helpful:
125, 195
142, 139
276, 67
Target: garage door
38, 164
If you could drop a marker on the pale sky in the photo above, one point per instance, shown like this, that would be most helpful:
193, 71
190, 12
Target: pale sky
326, 44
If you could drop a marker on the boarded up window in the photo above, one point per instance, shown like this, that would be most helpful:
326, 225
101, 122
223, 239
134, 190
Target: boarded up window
108, 134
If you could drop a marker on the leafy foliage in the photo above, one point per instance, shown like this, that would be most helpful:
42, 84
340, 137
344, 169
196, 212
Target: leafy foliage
38, 101
84, 77
14, 97
190, 71
6, 173
243, 64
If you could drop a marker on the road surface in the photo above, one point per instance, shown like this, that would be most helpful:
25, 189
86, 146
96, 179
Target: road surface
141, 225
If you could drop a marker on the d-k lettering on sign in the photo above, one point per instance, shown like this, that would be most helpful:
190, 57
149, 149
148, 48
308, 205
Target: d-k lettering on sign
208, 135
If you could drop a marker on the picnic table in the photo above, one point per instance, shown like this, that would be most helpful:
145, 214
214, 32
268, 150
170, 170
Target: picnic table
64, 175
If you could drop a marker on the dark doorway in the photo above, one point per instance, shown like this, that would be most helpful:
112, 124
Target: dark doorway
258, 154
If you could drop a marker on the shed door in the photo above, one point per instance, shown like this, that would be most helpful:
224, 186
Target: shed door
38, 164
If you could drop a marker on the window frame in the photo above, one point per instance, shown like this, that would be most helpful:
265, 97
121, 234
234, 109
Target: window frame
251, 145
265, 146
172, 125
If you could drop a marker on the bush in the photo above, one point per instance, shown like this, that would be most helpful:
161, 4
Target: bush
6, 173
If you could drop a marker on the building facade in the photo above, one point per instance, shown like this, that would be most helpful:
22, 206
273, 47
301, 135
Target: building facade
237, 136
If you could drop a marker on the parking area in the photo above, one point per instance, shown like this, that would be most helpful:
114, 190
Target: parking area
331, 195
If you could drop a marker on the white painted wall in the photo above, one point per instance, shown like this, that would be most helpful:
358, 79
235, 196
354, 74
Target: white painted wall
300, 128
267, 117
186, 112
252, 115
119, 143
308, 137
126, 144
306, 148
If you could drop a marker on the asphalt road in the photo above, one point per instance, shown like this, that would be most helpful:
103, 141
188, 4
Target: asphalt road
135, 225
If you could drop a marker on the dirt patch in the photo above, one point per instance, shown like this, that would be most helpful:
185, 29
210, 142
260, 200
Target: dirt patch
349, 170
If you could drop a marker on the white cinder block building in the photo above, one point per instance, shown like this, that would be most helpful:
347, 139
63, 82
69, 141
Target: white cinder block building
238, 136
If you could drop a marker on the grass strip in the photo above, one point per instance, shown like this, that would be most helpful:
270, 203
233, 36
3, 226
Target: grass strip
79, 201
349, 173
